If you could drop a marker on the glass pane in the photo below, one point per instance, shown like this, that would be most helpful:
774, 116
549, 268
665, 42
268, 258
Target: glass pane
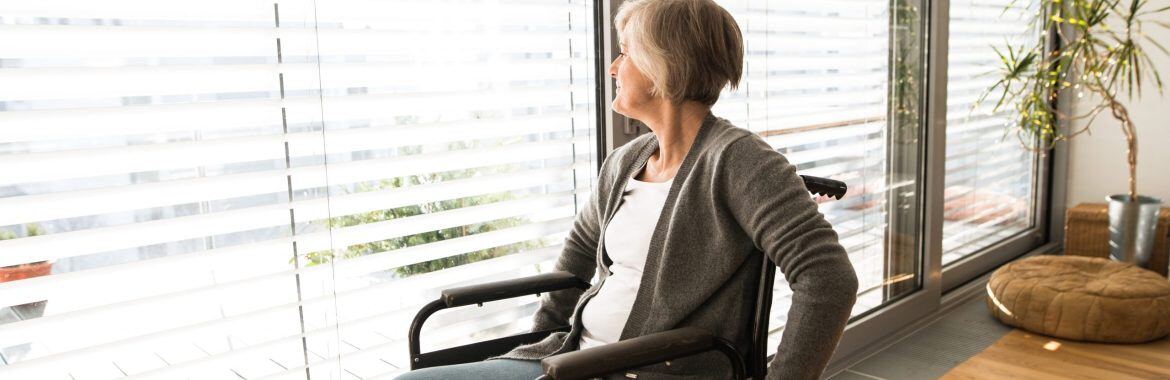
990, 175
460, 138
818, 87
145, 201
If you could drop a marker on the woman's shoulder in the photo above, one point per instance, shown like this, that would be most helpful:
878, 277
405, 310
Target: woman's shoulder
726, 138
722, 139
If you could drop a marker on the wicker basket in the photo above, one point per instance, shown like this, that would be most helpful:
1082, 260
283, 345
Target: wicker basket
1086, 233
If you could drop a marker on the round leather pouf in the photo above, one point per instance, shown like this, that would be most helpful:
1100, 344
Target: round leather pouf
1081, 298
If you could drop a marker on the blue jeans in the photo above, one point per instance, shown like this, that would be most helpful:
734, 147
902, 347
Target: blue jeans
499, 369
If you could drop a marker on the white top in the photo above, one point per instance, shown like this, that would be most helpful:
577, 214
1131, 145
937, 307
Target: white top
627, 241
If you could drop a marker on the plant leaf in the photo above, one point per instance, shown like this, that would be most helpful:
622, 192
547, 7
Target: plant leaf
1159, 10
1008, 7
1152, 69
1157, 45
1135, 71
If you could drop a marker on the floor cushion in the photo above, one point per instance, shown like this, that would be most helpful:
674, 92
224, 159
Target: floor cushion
1081, 298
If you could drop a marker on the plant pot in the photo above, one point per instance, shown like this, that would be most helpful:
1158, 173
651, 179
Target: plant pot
1131, 228
23, 271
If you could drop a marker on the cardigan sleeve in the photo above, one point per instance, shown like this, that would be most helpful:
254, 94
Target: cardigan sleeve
769, 200
577, 257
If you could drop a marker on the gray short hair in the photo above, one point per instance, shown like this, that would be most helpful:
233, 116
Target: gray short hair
688, 49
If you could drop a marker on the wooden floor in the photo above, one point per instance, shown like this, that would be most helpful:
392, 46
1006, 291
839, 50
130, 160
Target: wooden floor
1024, 355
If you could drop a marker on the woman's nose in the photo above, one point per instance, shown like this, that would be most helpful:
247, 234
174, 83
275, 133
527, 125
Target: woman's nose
613, 68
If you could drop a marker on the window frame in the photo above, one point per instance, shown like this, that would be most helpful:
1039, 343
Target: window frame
985, 260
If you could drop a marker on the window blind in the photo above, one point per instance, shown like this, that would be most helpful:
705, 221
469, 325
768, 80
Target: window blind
506, 89
990, 177
816, 88
272, 189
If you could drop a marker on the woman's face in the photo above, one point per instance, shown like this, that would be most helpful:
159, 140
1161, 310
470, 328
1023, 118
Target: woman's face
633, 89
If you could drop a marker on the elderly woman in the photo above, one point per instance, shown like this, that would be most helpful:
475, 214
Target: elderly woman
679, 217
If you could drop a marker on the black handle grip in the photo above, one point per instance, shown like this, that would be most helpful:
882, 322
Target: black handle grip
825, 186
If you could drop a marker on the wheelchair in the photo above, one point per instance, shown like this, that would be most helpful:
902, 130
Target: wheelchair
614, 357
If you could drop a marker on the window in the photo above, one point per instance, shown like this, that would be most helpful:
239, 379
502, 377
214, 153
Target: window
990, 177
834, 87
242, 190
229, 189
460, 140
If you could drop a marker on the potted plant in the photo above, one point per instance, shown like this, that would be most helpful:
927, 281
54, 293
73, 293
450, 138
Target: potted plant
23, 271
1095, 48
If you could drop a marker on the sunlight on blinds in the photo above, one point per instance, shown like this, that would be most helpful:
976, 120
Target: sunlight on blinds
816, 87
990, 189
460, 140
175, 177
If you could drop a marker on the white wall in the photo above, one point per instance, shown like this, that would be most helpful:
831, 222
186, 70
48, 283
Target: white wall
1097, 165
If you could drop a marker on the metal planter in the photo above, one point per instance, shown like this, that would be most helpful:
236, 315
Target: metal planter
1131, 228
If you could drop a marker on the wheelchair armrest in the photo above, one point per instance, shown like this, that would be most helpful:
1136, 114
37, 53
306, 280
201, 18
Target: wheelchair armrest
638, 352
492, 291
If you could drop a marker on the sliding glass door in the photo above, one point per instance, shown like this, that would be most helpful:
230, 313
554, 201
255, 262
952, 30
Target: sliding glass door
992, 176
836, 87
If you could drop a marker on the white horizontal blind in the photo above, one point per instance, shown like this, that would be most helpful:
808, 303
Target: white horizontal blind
815, 87
188, 191
990, 177
161, 149
156, 146
471, 130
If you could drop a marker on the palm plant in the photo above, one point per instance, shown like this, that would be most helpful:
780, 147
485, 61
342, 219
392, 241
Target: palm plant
1098, 49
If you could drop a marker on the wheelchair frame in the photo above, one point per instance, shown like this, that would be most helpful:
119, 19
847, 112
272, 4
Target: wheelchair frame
610, 358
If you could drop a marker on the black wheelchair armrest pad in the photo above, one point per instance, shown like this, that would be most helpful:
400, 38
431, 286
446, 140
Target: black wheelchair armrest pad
498, 290
628, 354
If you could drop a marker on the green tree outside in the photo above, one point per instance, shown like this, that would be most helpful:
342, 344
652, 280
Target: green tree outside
389, 245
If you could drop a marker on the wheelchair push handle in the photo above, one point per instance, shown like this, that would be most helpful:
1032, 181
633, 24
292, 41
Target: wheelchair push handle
824, 186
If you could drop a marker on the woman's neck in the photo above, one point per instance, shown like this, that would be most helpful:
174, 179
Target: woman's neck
675, 126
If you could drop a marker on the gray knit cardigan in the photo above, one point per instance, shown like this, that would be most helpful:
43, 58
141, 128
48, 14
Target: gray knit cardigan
733, 198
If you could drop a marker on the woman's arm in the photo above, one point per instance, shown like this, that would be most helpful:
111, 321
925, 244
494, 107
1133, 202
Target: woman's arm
770, 202
579, 258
